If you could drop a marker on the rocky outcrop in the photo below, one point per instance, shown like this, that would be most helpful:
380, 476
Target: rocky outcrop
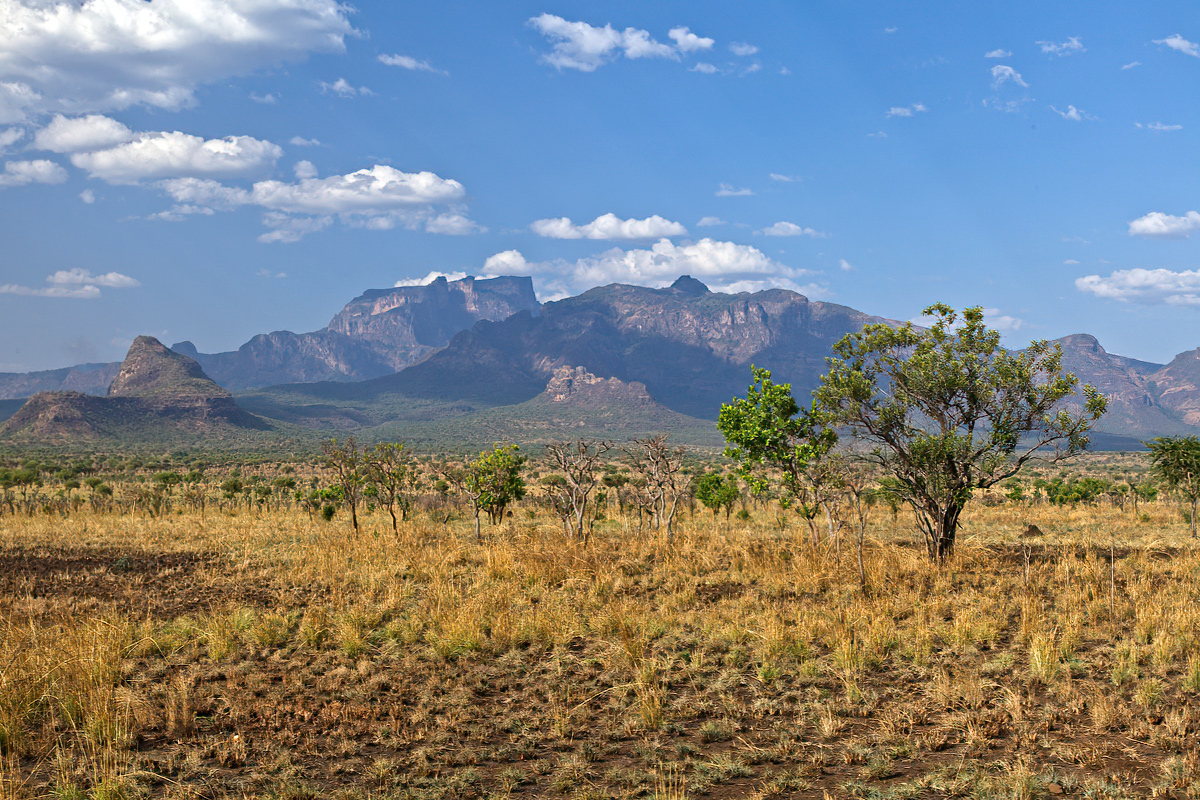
578, 387
155, 390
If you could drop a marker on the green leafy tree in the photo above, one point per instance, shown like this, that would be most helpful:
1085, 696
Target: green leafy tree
490, 482
1175, 460
768, 431
716, 491
346, 459
394, 475
947, 410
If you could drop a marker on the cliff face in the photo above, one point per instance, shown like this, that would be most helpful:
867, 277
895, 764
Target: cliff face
691, 348
377, 333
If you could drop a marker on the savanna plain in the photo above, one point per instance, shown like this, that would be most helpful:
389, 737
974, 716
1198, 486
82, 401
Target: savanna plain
224, 639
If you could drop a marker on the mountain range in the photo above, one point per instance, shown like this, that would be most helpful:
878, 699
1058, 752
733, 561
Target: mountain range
480, 360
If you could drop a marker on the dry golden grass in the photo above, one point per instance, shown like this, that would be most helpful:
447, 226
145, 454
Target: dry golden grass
241, 654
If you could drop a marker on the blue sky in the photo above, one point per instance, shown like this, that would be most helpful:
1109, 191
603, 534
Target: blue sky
212, 169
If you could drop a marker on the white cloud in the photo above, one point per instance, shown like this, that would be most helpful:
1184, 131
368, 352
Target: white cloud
877, 135
76, 283
266, 273
267, 99
1148, 286
906, 111
742, 49
433, 276
410, 63
750, 70
304, 169
76, 134
790, 229
343, 88
82, 277
844, 265
1071, 261
180, 212
609, 226
453, 225
998, 53
1072, 113
22, 173
9, 137
890, 30
1071, 46
1002, 322
775, 176
175, 154
1157, 225
724, 266
1177, 42
1131, 65
1158, 126
379, 198
1001, 74
688, 42
97, 55
708, 222
705, 67
87, 196
578, 45
300, 141
726, 190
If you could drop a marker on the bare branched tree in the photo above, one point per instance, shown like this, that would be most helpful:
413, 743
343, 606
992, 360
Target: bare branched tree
578, 463
348, 464
661, 480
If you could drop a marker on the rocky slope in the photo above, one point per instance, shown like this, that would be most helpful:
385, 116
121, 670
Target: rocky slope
155, 393
377, 333
85, 378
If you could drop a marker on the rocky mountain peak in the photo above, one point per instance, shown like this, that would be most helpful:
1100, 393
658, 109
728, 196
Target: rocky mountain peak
689, 285
576, 385
1082, 341
152, 370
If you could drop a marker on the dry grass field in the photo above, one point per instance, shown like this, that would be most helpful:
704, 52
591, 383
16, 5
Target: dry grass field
245, 654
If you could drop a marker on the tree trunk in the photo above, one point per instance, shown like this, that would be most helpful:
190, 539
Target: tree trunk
946, 530
395, 526
1194, 501
478, 534
354, 516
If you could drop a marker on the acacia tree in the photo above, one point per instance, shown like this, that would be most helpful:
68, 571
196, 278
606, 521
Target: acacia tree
661, 481
490, 482
947, 410
768, 429
348, 464
390, 469
716, 491
577, 463
1175, 460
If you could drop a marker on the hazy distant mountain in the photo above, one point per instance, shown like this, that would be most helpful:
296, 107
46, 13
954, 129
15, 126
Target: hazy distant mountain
156, 393
378, 333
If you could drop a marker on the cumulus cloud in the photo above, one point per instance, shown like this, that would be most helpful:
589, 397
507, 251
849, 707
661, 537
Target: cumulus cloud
74, 135
845, 266
98, 55
724, 266
9, 137
688, 42
1004, 323
78, 283
1157, 225
1147, 286
906, 111
742, 49
176, 154
727, 190
789, 229
22, 173
87, 196
1158, 126
584, 47
1177, 42
708, 222
410, 63
379, 198
430, 278
705, 67
609, 226
775, 176
1071, 46
300, 141
267, 99
1002, 74
304, 169
998, 53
